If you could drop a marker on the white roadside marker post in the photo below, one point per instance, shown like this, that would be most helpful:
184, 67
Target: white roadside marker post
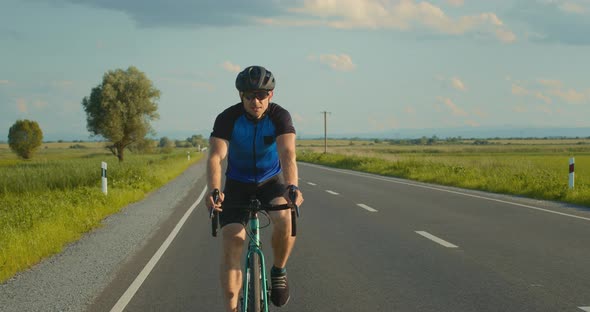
104, 177
188, 155
572, 161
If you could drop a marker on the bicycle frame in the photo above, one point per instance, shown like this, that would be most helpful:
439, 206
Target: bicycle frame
254, 245
254, 248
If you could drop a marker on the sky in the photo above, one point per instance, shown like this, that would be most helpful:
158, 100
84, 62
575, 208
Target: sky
373, 65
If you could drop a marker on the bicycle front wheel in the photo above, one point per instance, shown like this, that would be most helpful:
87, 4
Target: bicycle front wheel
254, 284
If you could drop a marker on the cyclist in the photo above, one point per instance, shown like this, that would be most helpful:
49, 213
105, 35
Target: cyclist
258, 139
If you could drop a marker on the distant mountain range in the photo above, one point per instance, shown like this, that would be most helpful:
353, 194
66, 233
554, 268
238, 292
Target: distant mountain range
466, 133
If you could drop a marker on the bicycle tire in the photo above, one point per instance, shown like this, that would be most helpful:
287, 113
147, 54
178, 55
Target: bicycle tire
254, 284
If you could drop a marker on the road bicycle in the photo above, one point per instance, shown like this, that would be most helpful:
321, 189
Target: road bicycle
255, 290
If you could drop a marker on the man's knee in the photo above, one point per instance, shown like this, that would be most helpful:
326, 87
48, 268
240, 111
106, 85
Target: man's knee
281, 217
234, 237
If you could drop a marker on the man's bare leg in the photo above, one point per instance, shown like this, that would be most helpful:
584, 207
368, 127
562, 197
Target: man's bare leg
282, 241
234, 236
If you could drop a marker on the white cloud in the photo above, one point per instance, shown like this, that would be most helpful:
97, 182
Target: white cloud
522, 91
539, 95
519, 90
401, 15
230, 67
550, 83
21, 105
561, 21
341, 62
557, 89
456, 110
552, 89
505, 35
472, 123
570, 95
458, 84
410, 110
572, 7
454, 82
456, 3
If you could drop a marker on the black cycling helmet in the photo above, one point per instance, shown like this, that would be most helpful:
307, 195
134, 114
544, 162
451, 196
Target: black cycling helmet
255, 78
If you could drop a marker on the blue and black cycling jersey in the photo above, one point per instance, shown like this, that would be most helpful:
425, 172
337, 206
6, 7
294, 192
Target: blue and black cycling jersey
252, 155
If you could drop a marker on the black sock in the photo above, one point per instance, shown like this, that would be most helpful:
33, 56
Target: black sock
276, 271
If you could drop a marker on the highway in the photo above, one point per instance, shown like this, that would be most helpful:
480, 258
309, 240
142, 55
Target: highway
371, 243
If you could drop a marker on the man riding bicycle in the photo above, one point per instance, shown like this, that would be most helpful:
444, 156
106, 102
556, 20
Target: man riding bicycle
258, 139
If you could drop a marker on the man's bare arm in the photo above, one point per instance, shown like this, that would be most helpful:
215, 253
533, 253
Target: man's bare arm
287, 155
217, 153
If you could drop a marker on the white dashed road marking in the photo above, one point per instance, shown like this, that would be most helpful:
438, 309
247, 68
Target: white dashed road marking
436, 239
587, 309
332, 192
311, 183
367, 207
399, 181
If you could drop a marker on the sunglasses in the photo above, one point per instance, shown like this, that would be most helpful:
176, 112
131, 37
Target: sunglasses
260, 95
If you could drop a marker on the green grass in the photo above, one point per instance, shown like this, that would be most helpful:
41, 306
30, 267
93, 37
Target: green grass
55, 198
539, 173
52, 200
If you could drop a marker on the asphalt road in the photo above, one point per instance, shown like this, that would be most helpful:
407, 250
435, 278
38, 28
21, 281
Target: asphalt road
369, 243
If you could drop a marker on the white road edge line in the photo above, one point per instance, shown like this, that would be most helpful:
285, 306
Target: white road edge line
332, 192
367, 175
367, 207
587, 309
437, 240
134, 287
311, 183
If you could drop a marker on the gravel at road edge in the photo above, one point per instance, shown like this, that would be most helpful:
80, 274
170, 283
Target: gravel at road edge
69, 281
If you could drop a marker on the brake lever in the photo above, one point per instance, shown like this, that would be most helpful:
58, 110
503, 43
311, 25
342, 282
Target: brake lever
293, 197
215, 195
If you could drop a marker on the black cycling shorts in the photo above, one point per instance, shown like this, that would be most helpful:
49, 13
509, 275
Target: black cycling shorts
238, 195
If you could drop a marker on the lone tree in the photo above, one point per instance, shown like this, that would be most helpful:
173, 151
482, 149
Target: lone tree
121, 107
25, 137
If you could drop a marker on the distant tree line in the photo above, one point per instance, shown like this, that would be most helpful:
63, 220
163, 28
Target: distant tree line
450, 140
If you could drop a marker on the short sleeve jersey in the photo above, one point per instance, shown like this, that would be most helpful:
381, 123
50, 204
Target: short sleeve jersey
252, 153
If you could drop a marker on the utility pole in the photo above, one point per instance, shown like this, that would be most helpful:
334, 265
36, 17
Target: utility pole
325, 131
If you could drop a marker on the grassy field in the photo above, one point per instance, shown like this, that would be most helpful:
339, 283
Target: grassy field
56, 197
532, 168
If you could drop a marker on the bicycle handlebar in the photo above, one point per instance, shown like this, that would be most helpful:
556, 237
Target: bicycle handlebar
214, 215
